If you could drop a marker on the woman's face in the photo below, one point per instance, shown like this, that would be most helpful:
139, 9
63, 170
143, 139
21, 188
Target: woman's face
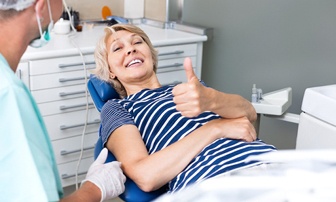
129, 58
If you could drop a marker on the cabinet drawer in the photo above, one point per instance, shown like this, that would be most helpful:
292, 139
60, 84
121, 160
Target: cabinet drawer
67, 171
71, 124
177, 51
172, 64
69, 149
166, 78
55, 94
56, 80
63, 106
64, 64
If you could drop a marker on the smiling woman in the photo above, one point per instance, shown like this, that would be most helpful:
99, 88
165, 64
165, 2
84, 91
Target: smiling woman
175, 134
114, 45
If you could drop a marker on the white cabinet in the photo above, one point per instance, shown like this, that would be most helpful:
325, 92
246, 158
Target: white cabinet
59, 88
56, 77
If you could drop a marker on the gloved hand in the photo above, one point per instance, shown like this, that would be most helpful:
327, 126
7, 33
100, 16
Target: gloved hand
108, 177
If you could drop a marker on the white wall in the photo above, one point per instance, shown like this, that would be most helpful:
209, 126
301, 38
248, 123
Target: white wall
273, 43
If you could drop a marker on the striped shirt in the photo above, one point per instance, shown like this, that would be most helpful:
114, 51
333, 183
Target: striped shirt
160, 124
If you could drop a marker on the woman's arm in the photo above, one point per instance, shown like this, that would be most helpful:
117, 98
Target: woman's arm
151, 172
193, 98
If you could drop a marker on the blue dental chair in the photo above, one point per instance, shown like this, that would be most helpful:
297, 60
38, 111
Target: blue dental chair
101, 92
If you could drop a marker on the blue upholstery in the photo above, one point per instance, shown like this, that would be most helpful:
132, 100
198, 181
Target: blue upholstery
101, 92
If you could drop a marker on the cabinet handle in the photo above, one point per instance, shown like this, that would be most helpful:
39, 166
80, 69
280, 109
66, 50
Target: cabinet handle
75, 64
66, 176
19, 74
75, 106
172, 65
63, 94
171, 53
64, 152
71, 79
64, 127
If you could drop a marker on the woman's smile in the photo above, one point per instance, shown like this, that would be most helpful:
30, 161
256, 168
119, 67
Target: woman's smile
135, 62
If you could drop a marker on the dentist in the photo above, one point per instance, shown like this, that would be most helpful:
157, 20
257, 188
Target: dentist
28, 170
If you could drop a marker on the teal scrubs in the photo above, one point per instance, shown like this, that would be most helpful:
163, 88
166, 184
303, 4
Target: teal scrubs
28, 170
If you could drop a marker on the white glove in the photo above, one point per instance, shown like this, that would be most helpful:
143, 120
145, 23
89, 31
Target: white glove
108, 177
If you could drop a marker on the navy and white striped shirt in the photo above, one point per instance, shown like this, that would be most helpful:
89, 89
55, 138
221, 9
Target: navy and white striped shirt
160, 124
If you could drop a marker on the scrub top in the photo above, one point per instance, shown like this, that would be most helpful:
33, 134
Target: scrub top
28, 170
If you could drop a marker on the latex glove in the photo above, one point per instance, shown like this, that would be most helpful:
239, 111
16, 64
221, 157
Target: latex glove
108, 177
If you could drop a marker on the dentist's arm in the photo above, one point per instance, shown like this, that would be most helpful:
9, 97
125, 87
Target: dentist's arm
193, 98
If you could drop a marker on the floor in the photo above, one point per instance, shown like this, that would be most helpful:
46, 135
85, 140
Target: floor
68, 190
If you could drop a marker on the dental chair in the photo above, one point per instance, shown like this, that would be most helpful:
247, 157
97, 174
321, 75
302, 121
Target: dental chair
101, 92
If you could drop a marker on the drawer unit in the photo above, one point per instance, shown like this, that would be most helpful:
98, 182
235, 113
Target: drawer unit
59, 88
171, 58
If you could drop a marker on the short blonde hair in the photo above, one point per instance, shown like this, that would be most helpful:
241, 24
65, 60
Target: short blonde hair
102, 70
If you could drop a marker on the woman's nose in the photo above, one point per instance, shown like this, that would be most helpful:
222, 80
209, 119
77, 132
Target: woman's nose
132, 50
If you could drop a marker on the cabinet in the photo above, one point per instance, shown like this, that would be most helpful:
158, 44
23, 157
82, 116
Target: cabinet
56, 76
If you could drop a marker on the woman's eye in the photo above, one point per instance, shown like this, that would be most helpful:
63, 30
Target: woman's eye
138, 42
116, 49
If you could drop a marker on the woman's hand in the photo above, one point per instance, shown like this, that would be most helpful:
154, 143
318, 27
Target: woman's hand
238, 128
193, 98
190, 98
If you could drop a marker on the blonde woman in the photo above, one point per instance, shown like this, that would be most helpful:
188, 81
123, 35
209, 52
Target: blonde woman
171, 134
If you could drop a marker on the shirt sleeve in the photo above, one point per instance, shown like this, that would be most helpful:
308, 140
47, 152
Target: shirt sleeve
113, 115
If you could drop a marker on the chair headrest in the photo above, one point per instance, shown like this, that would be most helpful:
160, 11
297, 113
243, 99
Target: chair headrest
104, 90
101, 92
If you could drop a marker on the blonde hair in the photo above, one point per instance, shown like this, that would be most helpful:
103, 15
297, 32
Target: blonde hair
102, 69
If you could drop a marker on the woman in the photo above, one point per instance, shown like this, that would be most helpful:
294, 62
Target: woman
169, 134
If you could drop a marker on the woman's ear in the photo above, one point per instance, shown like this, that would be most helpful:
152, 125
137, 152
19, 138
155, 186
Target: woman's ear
112, 76
39, 5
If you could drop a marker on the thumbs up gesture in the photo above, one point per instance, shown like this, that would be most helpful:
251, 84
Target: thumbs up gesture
190, 97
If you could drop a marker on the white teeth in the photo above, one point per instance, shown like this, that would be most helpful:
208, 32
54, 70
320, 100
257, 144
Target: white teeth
134, 61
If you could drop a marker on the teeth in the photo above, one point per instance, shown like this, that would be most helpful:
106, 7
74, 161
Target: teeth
134, 61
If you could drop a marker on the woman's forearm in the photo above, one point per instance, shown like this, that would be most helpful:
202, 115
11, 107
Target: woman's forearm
151, 172
230, 105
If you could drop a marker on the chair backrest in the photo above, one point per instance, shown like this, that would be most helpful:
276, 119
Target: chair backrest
101, 92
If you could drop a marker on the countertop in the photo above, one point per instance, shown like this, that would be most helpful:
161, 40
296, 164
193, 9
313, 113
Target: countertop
85, 41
